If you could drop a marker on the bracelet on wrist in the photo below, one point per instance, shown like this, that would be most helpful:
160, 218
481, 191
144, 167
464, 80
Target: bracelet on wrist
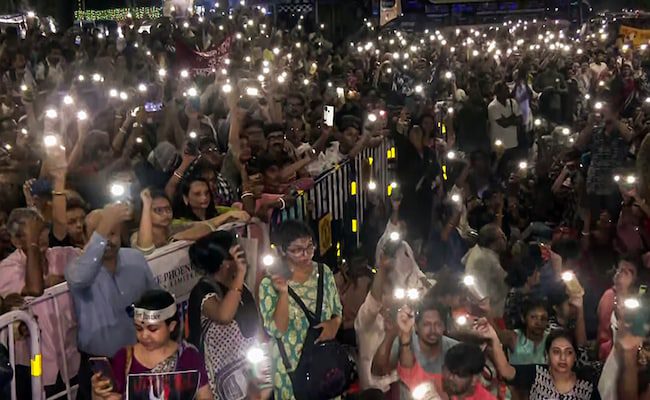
179, 176
57, 193
284, 204
405, 344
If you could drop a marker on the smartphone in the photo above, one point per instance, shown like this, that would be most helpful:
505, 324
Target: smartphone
192, 147
328, 115
153, 107
195, 103
280, 268
101, 365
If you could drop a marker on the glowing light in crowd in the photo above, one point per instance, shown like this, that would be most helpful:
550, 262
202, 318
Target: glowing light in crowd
82, 115
51, 113
255, 355
631, 304
67, 100
268, 260
50, 140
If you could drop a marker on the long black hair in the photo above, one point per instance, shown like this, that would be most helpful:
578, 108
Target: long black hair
184, 210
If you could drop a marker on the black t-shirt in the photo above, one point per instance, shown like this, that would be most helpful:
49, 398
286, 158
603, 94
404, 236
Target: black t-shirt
54, 242
538, 380
247, 317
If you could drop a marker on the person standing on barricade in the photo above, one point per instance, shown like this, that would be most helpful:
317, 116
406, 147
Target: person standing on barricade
26, 273
104, 281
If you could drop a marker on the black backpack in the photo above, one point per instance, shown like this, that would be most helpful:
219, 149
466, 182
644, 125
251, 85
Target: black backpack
325, 370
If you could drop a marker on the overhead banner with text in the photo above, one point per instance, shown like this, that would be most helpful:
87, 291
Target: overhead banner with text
638, 36
389, 10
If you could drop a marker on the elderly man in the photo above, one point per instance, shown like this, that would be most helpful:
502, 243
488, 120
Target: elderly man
104, 281
26, 273
482, 262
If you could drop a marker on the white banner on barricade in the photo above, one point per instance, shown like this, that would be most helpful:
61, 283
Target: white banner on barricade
172, 270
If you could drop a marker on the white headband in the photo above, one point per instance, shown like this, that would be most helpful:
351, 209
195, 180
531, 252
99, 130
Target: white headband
153, 316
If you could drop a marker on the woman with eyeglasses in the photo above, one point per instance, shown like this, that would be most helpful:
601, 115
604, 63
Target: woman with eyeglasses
283, 318
158, 227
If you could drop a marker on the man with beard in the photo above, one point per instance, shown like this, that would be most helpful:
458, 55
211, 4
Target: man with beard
420, 346
104, 281
461, 375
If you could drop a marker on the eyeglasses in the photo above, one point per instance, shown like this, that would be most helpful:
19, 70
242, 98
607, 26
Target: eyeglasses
163, 210
302, 251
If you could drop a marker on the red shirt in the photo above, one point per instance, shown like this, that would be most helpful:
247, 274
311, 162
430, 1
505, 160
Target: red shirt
412, 377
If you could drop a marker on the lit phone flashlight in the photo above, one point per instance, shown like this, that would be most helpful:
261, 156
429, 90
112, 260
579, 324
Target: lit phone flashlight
120, 192
636, 316
425, 391
392, 244
276, 266
572, 284
474, 290
260, 366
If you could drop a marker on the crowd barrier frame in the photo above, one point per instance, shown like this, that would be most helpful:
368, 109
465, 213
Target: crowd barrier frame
7, 321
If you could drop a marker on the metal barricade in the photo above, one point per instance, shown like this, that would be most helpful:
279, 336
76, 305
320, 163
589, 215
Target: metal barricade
6, 322
342, 191
53, 294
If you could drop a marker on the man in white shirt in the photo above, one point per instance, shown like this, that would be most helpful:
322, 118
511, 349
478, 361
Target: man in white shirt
505, 117
598, 67
369, 327
483, 263
397, 271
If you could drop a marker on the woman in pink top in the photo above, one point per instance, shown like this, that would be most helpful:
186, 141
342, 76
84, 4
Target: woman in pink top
27, 272
625, 281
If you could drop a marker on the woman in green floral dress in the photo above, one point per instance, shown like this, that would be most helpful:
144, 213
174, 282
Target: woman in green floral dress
283, 318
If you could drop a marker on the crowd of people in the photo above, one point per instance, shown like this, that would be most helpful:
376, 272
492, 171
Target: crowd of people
509, 261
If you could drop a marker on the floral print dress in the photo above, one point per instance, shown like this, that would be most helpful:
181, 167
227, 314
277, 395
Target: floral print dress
294, 337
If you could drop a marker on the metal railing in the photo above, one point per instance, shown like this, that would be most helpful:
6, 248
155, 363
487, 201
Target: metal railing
7, 322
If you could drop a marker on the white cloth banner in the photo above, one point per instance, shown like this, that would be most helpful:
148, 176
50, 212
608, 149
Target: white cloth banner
171, 268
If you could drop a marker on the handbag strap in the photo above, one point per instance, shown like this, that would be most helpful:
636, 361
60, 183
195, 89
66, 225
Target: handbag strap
128, 362
313, 318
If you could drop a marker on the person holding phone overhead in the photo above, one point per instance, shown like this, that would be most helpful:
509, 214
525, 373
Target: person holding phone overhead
158, 350
223, 318
283, 318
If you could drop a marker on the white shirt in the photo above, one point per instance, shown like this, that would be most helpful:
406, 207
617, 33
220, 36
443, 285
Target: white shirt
369, 326
406, 273
598, 68
496, 111
483, 263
